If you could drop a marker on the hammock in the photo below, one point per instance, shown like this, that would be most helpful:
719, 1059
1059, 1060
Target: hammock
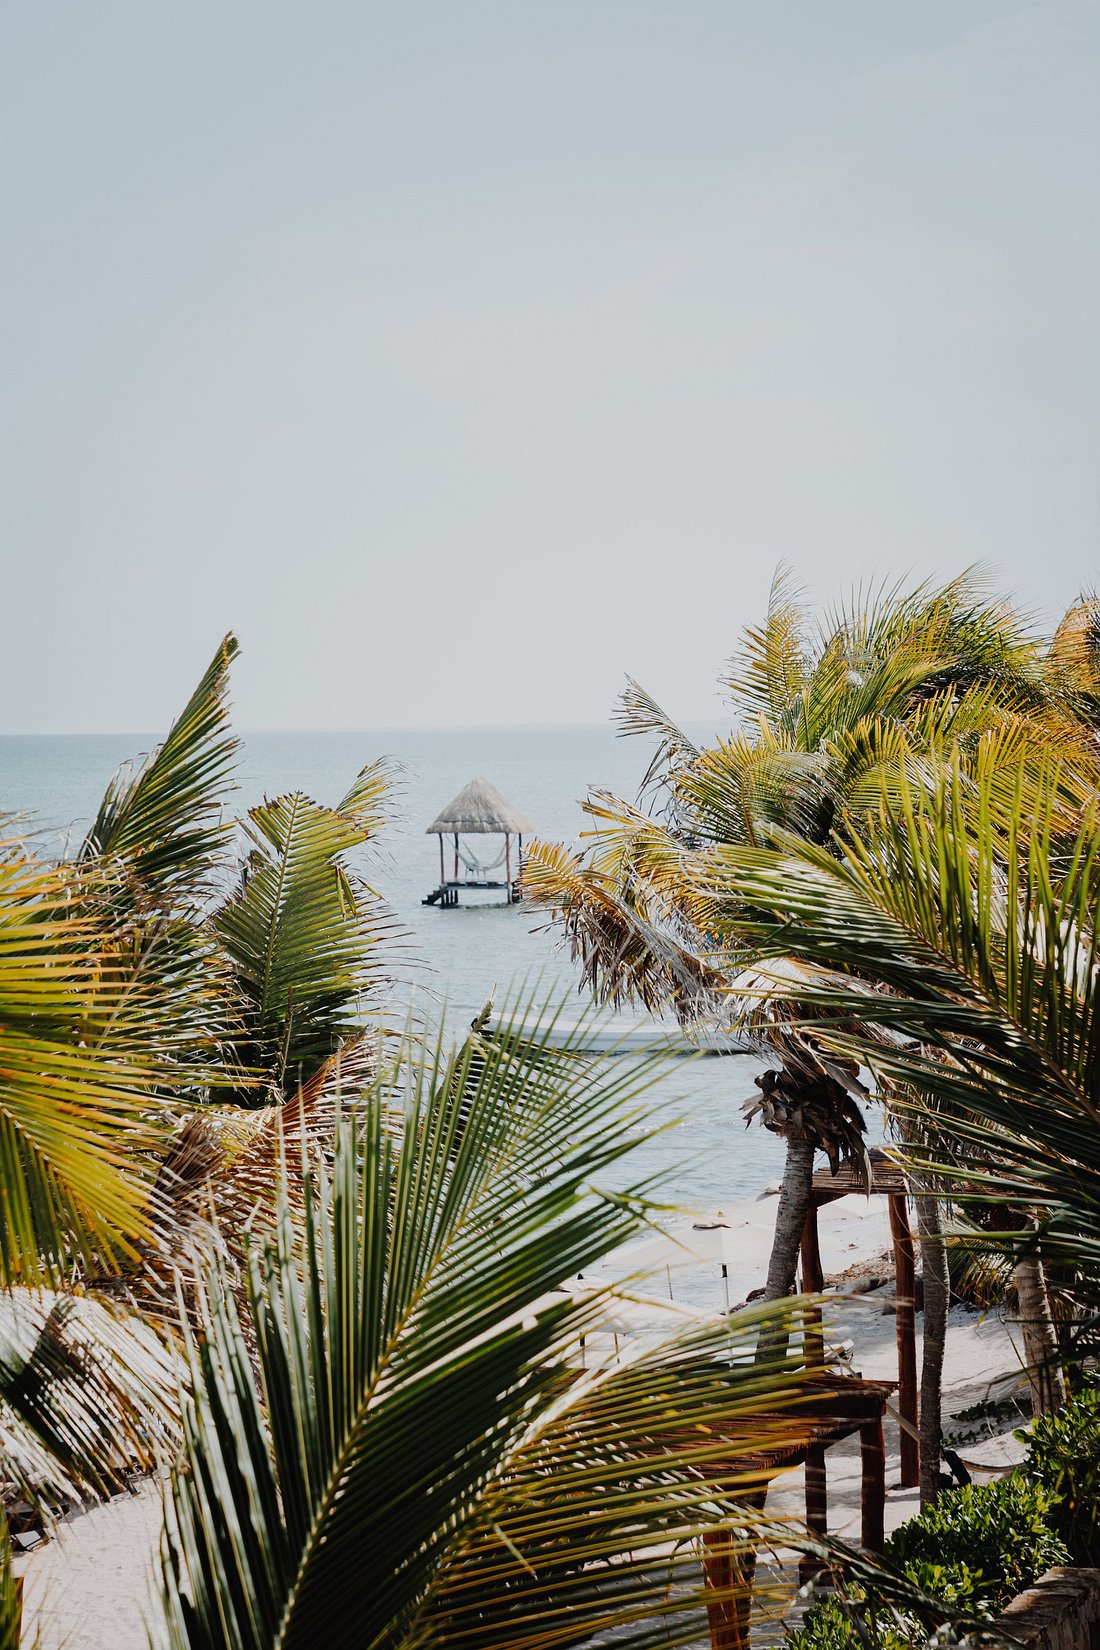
475, 867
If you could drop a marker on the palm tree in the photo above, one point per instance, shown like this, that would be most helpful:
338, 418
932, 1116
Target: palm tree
960, 931
125, 1018
825, 716
422, 1457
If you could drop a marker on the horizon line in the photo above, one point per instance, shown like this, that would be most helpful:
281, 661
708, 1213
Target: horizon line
411, 727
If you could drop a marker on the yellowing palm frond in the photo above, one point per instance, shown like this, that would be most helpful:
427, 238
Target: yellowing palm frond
77, 1077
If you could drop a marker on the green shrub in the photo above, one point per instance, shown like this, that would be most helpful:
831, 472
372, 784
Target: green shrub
828, 1626
1001, 1534
975, 1549
1064, 1458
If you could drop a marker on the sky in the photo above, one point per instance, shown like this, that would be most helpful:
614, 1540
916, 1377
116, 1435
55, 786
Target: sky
465, 356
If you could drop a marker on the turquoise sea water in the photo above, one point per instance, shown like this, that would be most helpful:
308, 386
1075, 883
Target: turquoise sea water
455, 955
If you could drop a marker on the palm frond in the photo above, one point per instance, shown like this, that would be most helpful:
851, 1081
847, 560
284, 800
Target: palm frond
165, 820
302, 932
624, 954
639, 714
1073, 660
973, 978
425, 1460
77, 1078
86, 1398
217, 1183
768, 678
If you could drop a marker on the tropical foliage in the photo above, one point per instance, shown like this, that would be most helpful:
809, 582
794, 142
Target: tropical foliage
1064, 1457
971, 1553
425, 1459
960, 943
391, 1429
831, 720
154, 1019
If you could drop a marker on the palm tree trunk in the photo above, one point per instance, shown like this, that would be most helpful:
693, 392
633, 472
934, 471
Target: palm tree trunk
937, 1299
1044, 1373
790, 1217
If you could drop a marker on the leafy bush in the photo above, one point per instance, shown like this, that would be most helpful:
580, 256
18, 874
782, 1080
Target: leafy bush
1064, 1458
975, 1549
828, 1626
1001, 1534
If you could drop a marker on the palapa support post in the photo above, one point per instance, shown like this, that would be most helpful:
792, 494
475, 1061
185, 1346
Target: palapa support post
728, 1575
887, 1180
718, 1580
872, 1455
905, 1276
813, 1281
817, 1507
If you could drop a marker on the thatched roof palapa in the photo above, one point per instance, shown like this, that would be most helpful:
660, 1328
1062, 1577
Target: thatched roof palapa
479, 809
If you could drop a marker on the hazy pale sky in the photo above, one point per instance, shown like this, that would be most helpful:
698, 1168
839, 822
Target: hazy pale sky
465, 356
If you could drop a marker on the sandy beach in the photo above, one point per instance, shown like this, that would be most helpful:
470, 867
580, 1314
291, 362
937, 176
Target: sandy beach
91, 1585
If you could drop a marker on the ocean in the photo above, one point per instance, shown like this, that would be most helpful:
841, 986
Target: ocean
453, 957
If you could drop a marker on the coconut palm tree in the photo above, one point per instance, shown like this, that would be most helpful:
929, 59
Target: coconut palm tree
825, 716
395, 1441
961, 934
142, 1076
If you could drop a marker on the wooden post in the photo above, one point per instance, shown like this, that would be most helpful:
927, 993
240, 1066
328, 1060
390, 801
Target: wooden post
817, 1506
813, 1280
508, 862
718, 1574
872, 1454
905, 1277
729, 1573
456, 856
442, 872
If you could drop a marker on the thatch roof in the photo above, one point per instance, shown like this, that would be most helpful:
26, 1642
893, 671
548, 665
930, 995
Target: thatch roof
479, 809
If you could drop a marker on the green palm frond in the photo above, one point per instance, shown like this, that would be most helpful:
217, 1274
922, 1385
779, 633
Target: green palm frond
767, 679
302, 932
77, 1079
165, 820
425, 1459
638, 713
974, 981
741, 787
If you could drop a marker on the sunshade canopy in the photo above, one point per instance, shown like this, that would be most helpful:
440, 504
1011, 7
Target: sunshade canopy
479, 809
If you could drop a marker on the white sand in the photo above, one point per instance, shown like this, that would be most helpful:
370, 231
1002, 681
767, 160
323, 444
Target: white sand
89, 1588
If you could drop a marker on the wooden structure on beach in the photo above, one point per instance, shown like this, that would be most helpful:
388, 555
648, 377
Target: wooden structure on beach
829, 1408
478, 810
888, 1180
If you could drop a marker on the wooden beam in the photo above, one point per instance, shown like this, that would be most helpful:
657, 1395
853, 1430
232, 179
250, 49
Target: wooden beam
442, 872
508, 862
905, 1278
456, 856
